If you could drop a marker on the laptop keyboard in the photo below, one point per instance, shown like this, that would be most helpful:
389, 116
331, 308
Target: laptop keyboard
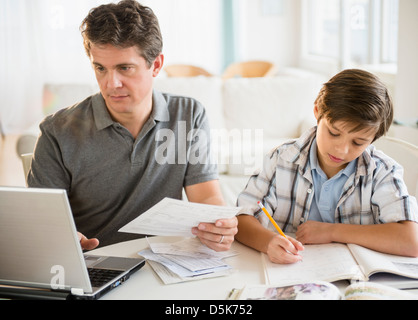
99, 277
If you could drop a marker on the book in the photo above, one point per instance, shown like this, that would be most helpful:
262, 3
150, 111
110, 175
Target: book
321, 290
336, 261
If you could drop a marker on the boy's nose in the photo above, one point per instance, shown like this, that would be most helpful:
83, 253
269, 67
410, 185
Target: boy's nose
342, 148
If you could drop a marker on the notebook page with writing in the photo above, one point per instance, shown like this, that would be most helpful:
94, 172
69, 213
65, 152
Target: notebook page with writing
325, 262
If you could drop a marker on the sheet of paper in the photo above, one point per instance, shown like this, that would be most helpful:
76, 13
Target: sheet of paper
184, 269
196, 264
172, 217
191, 247
169, 277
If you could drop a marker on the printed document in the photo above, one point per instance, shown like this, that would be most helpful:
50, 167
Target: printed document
172, 217
186, 260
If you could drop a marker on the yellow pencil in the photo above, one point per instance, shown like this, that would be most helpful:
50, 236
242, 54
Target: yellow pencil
271, 219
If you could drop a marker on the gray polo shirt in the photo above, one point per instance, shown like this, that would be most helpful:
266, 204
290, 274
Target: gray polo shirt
110, 177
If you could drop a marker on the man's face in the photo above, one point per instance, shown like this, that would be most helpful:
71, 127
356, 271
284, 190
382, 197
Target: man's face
124, 78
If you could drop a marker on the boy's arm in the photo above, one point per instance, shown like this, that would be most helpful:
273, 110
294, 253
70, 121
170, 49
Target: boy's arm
278, 249
400, 238
397, 236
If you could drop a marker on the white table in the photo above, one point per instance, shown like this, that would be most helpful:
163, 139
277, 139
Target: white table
145, 283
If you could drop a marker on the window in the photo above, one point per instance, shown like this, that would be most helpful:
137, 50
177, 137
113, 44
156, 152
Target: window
323, 26
350, 33
390, 14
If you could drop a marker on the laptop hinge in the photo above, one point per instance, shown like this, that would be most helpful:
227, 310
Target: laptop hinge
77, 291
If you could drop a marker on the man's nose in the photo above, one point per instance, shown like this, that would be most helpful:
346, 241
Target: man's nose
113, 80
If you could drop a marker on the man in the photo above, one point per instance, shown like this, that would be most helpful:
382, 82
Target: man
110, 151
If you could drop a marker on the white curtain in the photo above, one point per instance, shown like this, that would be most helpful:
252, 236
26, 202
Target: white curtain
40, 43
21, 64
192, 31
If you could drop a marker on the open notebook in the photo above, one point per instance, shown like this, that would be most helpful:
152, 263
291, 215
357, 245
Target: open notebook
336, 261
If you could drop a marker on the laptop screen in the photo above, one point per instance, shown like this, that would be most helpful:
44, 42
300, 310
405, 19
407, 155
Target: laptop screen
39, 245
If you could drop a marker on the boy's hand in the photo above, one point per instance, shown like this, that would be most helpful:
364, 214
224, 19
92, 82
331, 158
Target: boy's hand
314, 232
284, 251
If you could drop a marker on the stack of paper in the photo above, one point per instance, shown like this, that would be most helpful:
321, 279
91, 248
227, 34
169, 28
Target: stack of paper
186, 260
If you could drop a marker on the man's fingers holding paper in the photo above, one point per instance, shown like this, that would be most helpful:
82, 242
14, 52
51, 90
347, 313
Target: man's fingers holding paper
219, 235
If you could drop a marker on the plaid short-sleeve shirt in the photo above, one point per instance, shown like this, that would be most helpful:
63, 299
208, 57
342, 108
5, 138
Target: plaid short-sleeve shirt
375, 193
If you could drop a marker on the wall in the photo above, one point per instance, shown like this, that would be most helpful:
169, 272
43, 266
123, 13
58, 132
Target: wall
406, 96
268, 30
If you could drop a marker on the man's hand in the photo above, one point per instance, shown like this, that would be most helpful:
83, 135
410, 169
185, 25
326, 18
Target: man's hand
87, 244
218, 236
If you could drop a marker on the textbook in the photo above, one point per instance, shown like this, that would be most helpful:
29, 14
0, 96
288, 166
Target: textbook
321, 290
335, 261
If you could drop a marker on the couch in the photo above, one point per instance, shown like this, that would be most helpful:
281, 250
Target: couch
248, 116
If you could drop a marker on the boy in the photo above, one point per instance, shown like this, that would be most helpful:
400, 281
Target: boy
332, 185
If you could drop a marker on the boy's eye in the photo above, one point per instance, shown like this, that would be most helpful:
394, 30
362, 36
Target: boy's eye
333, 134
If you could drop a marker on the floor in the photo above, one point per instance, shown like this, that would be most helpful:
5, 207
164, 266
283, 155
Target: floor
11, 169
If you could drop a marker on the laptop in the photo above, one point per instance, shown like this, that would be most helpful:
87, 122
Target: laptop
40, 252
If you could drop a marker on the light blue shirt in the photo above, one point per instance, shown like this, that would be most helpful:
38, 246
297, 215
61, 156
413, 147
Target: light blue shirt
327, 192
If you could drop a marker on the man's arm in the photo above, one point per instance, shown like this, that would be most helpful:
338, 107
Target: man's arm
206, 192
218, 236
400, 238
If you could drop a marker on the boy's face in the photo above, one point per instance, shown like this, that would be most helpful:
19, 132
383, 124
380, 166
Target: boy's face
337, 146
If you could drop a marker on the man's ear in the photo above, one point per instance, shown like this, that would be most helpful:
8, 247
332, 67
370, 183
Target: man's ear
157, 65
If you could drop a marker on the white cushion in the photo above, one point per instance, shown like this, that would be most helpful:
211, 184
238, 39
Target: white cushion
277, 105
207, 90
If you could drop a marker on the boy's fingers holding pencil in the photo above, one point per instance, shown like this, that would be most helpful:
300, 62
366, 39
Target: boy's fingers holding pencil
284, 250
298, 246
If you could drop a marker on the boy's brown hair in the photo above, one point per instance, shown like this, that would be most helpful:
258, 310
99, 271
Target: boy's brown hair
359, 98
123, 25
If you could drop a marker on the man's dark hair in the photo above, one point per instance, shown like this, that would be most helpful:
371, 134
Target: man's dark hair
123, 25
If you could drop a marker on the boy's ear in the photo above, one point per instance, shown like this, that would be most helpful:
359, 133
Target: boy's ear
316, 111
